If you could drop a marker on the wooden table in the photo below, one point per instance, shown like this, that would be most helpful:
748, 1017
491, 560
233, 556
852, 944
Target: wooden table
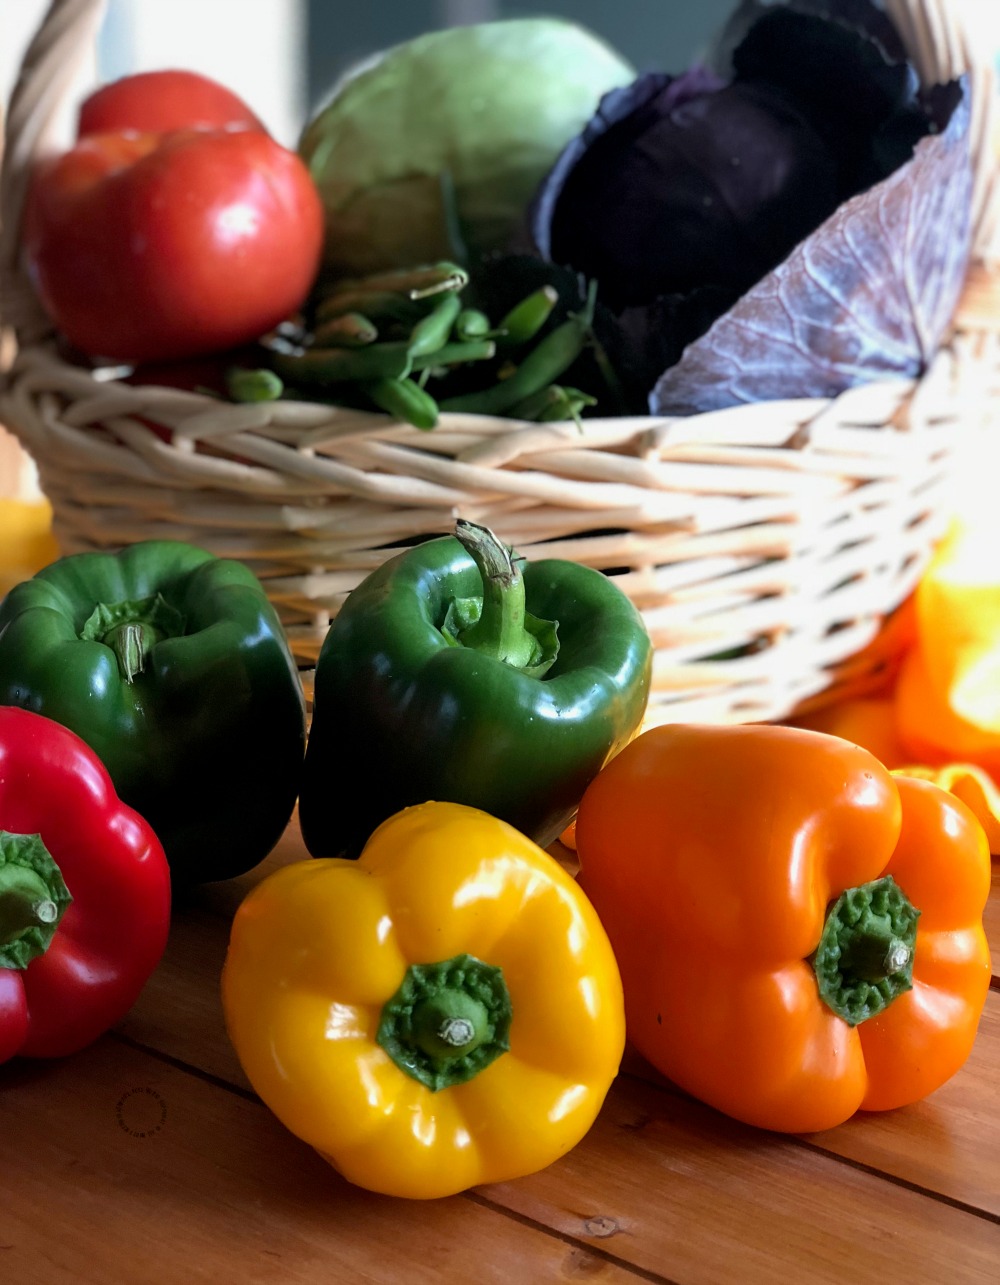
148, 1159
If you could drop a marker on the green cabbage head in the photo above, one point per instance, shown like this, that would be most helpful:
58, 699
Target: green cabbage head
432, 149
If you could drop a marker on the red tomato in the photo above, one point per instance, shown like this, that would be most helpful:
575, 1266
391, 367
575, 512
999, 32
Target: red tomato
147, 247
157, 101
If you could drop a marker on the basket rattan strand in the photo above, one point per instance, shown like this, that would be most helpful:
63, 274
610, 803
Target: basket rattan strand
767, 545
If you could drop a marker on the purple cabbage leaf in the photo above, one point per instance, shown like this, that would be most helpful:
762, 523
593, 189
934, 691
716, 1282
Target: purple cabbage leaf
869, 295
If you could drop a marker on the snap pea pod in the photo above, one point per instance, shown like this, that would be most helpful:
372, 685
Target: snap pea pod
348, 330
523, 322
405, 400
542, 365
432, 331
318, 367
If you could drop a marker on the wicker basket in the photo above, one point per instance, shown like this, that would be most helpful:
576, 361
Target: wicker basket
767, 546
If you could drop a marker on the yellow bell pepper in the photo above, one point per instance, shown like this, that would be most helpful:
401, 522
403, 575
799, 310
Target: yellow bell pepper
26, 540
442, 1012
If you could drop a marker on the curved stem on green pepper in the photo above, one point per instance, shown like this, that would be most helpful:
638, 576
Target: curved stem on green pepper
501, 630
132, 629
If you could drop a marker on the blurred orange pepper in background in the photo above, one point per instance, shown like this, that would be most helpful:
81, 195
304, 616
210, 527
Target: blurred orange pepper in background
941, 719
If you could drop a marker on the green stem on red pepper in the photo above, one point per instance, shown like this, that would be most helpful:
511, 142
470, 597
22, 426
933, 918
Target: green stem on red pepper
33, 898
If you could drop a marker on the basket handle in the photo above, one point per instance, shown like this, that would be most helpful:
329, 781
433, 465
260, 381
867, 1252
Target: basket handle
63, 50
943, 47
59, 59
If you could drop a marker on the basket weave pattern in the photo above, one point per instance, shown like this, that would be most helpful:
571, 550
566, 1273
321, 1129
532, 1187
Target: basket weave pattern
765, 545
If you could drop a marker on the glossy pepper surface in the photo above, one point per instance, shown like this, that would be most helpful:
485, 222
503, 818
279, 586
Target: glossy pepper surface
443, 1012
173, 666
84, 893
454, 673
799, 932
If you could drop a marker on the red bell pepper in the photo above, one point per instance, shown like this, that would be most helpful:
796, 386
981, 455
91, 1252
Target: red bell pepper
84, 892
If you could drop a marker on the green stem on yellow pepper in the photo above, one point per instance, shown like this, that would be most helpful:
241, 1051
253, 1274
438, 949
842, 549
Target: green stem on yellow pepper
447, 1021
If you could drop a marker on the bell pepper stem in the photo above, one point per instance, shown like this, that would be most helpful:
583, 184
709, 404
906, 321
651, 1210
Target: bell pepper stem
132, 629
33, 898
864, 960
447, 1021
24, 903
450, 1023
500, 630
131, 644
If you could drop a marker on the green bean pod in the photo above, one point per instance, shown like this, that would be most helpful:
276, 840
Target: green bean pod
253, 385
473, 324
415, 283
374, 304
347, 330
568, 404
541, 367
405, 400
318, 367
526, 318
456, 354
432, 331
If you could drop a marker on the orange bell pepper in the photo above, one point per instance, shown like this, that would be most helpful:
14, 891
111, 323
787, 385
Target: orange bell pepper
799, 932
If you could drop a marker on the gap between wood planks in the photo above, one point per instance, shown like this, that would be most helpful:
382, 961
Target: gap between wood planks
652, 1081
248, 1095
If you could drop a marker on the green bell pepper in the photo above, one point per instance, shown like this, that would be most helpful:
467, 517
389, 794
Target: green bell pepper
174, 668
436, 681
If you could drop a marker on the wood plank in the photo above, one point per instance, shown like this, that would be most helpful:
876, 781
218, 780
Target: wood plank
949, 1144
683, 1192
218, 1191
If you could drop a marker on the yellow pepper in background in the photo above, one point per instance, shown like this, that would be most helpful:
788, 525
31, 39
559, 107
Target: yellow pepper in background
442, 1012
26, 540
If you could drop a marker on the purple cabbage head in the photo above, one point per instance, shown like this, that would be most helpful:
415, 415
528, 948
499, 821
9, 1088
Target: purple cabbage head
682, 182
682, 192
